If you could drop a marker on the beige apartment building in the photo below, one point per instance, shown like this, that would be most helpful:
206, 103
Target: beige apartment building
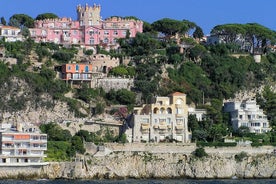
166, 118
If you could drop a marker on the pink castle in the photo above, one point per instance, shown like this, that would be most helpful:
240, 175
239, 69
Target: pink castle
88, 30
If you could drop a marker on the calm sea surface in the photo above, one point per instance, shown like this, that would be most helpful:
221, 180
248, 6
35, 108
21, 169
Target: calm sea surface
129, 181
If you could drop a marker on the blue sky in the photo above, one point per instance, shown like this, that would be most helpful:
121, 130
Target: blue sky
205, 13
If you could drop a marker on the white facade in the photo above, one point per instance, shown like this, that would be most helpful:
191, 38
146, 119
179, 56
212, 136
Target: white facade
199, 113
247, 113
21, 147
10, 34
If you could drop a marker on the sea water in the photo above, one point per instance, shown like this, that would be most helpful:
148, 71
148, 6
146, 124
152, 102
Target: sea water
135, 181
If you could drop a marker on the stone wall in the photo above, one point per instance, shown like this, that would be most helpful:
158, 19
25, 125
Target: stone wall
150, 163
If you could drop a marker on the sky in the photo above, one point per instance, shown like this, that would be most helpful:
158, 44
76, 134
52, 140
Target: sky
205, 13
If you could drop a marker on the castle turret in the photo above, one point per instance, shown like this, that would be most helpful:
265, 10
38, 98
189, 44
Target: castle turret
89, 15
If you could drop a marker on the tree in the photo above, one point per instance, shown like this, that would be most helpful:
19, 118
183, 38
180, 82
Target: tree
77, 144
200, 152
198, 33
217, 131
197, 52
46, 16
125, 97
147, 27
21, 20
170, 27
3, 21
243, 131
119, 71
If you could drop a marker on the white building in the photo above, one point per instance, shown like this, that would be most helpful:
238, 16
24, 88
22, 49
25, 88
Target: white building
22, 146
200, 114
165, 118
247, 113
10, 34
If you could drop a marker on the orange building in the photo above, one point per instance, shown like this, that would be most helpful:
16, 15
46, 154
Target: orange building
76, 71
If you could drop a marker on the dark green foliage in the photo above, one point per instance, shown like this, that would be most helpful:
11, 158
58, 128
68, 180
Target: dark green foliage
200, 152
122, 96
63, 56
46, 16
198, 33
216, 144
21, 20
3, 21
239, 157
169, 26
243, 131
59, 151
77, 144
87, 94
55, 132
88, 52
99, 109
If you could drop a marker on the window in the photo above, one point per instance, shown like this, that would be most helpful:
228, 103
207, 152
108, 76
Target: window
13, 32
106, 40
86, 68
69, 67
240, 116
145, 120
91, 41
179, 111
115, 33
106, 33
77, 67
91, 32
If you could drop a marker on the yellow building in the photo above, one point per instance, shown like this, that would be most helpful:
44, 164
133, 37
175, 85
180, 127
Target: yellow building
165, 118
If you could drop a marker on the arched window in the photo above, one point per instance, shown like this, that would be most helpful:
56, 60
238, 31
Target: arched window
169, 110
86, 69
155, 110
106, 40
162, 110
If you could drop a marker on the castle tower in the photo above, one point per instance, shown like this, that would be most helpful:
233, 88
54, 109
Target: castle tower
89, 15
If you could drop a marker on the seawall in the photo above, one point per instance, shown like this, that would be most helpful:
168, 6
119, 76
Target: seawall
166, 163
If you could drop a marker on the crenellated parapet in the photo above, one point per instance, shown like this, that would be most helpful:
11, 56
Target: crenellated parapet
89, 15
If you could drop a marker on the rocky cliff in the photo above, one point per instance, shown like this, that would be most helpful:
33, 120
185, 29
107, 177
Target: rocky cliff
119, 165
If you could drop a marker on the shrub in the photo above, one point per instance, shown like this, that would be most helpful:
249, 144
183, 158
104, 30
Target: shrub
239, 157
200, 152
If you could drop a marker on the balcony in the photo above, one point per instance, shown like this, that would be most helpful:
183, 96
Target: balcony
179, 127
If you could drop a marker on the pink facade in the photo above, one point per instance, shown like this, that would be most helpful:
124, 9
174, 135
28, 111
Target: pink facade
88, 30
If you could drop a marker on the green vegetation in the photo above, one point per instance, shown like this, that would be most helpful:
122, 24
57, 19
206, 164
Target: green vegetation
239, 157
206, 73
200, 152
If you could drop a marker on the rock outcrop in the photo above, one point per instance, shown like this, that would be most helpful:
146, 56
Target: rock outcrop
120, 165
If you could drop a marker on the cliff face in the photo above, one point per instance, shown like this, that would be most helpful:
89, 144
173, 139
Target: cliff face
147, 165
